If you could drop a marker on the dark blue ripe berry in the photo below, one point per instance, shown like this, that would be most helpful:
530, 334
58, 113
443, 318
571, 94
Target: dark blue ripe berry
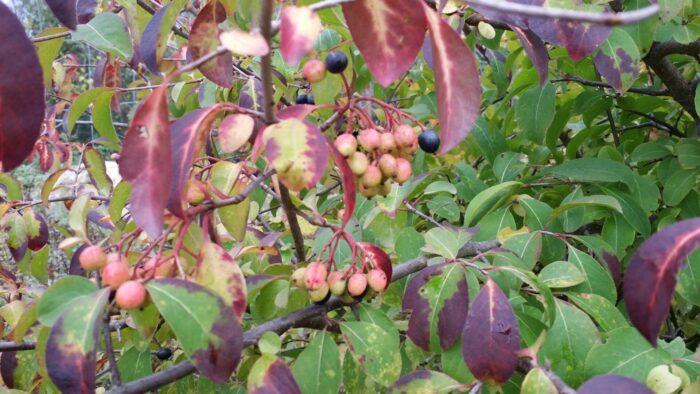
429, 141
336, 62
302, 99
164, 353
310, 100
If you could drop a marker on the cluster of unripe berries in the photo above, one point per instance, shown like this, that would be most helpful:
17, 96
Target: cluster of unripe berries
114, 271
377, 159
348, 286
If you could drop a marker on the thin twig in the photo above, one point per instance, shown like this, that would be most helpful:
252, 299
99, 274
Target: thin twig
511, 8
237, 199
109, 349
585, 82
51, 37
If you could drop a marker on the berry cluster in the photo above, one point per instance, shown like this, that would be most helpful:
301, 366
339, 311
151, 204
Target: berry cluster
379, 158
115, 273
349, 285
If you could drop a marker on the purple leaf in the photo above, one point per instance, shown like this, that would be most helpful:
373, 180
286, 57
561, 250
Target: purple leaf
536, 50
456, 80
145, 161
65, 12
21, 93
617, 384
388, 33
650, 279
86, 10
490, 338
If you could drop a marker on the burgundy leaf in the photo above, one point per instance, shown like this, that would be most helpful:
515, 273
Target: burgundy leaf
108, 74
347, 179
418, 327
456, 81
277, 378
377, 258
617, 384
299, 27
204, 38
490, 338
152, 44
8, 365
615, 269
86, 10
579, 39
189, 134
65, 12
145, 161
21, 93
38, 241
75, 268
650, 279
535, 49
300, 111
388, 33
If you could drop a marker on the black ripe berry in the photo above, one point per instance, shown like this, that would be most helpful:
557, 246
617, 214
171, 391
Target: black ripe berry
429, 141
164, 353
310, 100
336, 62
302, 99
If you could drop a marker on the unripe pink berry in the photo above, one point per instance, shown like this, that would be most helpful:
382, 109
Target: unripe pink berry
357, 284
92, 258
405, 136
337, 283
358, 163
369, 139
299, 277
372, 177
346, 144
320, 295
130, 295
388, 143
115, 273
376, 279
316, 274
368, 192
387, 163
403, 170
314, 71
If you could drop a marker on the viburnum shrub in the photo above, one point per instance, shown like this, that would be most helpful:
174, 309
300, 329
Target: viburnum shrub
350, 196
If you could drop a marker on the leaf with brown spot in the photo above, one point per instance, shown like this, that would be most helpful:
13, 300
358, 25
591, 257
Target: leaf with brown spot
299, 27
218, 271
189, 133
204, 38
21, 93
145, 161
209, 333
388, 33
490, 337
71, 348
456, 81
108, 74
270, 375
297, 150
654, 268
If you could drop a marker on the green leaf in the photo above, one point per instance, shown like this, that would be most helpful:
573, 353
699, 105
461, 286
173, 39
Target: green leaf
491, 142
594, 200
508, 165
489, 200
426, 381
106, 32
17, 230
81, 104
445, 207
12, 188
217, 271
536, 212
374, 349
408, 244
649, 151
617, 60
60, 295
547, 299
77, 217
604, 312
134, 364
537, 382
269, 374
689, 279
72, 343
444, 242
625, 352
679, 185
568, 341
598, 279
102, 117
688, 152
97, 170
119, 199
317, 368
40, 265
697, 99
593, 170
535, 111
632, 212
209, 333
561, 274
48, 50
618, 234
643, 31
49, 184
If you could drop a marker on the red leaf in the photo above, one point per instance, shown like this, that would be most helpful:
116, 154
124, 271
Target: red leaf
204, 38
650, 279
65, 12
347, 179
108, 74
145, 161
536, 51
21, 93
418, 328
457, 82
154, 37
377, 258
188, 136
617, 384
276, 377
490, 337
296, 111
388, 33
8, 366
299, 28
86, 10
